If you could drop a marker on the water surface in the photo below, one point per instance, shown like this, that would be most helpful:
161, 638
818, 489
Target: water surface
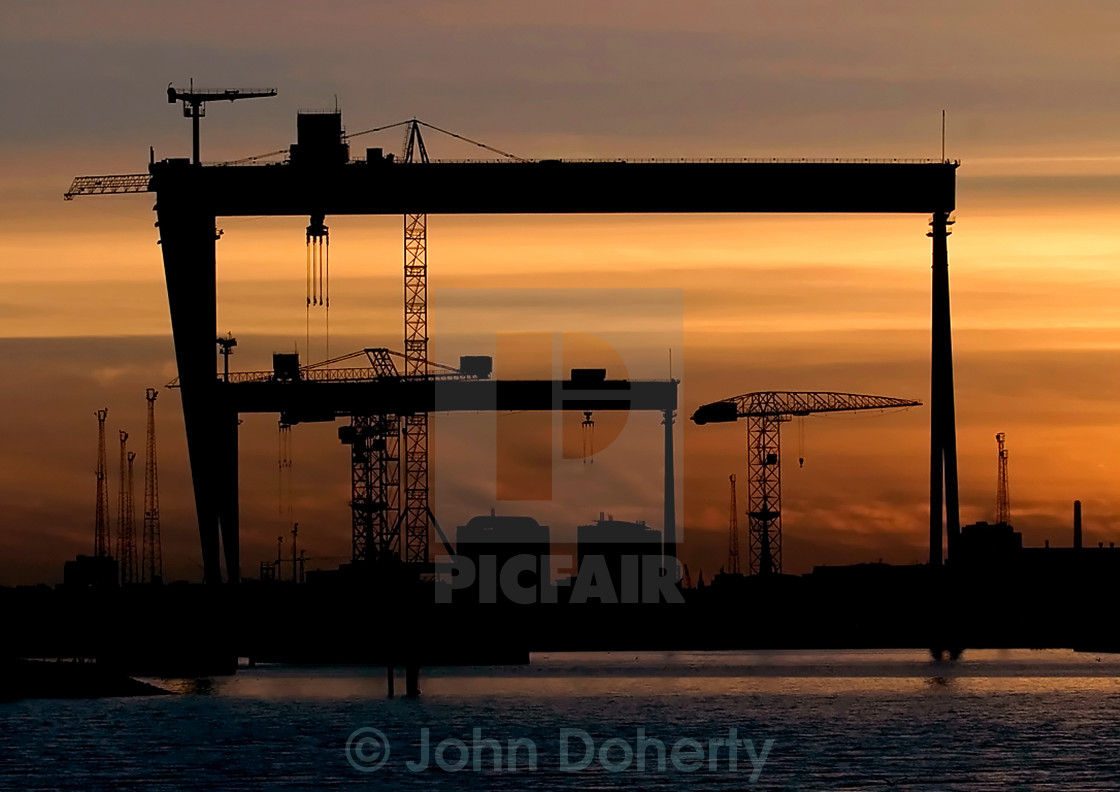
992, 720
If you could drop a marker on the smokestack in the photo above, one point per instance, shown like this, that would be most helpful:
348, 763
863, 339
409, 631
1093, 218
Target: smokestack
1077, 525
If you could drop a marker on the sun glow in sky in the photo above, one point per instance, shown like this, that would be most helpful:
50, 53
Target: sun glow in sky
767, 302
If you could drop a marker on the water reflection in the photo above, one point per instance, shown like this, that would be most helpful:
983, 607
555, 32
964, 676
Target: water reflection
689, 674
992, 720
202, 686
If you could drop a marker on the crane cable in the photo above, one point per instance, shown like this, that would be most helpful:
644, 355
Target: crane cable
465, 139
801, 441
588, 437
433, 127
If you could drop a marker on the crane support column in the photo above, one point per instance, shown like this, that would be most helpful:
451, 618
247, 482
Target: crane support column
669, 530
187, 240
228, 510
944, 502
415, 496
764, 488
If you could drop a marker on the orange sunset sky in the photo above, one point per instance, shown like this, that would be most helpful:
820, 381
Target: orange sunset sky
764, 302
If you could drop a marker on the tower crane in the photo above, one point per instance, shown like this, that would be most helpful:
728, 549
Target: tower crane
194, 104
151, 558
128, 541
374, 441
765, 412
126, 548
101, 518
1003, 497
414, 428
375, 463
733, 537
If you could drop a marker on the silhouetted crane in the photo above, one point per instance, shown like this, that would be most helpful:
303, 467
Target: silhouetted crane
1003, 498
126, 545
733, 534
765, 412
101, 516
414, 427
151, 554
194, 104
128, 541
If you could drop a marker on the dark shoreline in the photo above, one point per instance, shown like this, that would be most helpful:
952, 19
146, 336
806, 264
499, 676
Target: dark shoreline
39, 679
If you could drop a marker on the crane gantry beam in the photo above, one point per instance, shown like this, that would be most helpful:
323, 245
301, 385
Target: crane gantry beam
765, 412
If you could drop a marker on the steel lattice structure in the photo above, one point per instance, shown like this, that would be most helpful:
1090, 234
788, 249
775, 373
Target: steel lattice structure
101, 517
126, 546
128, 540
1003, 497
151, 553
319, 178
765, 412
414, 503
764, 493
375, 475
733, 539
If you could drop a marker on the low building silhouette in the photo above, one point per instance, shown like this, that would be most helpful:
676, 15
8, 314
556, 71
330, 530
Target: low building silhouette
490, 542
625, 551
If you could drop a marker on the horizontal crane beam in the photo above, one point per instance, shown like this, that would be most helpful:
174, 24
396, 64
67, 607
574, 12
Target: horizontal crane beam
108, 185
308, 401
557, 187
792, 403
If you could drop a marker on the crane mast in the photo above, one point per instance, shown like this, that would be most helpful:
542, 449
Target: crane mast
101, 517
151, 555
765, 412
1003, 498
128, 542
123, 528
415, 500
733, 538
374, 441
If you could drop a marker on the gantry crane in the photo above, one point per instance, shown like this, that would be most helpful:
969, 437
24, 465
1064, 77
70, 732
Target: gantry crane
1003, 497
765, 412
323, 177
